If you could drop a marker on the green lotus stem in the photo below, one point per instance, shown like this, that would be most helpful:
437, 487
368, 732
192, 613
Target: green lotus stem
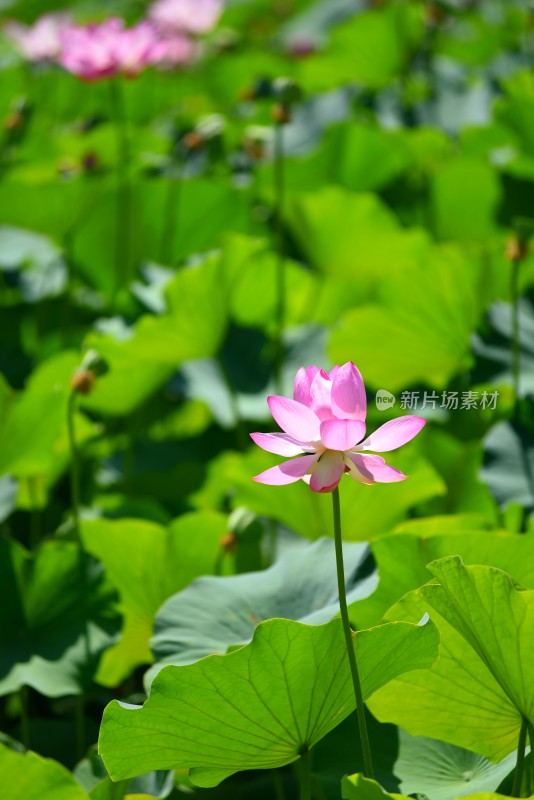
74, 468
123, 225
242, 439
218, 565
279, 195
170, 215
520, 764
305, 775
79, 720
278, 784
24, 717
349, 639
75, 507
35, 527
530, 788
317, 789
514, 293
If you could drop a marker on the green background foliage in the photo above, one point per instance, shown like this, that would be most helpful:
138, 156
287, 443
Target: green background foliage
407, 169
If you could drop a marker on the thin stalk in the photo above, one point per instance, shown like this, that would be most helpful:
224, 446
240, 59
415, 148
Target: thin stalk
520, 764
218, 565
123, 224
119, 790
35, 526
255, 190
530, 787
278, 784
305, 776
317, 789
360, 709
272, 533
74, 468
514, 295
79, 722
75, 508
24, 717
241, 434
170, 217
279, 198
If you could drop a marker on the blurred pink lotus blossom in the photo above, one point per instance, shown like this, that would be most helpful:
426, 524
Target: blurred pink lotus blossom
186, 16
176, 51
93, 52
324, 424
40, 41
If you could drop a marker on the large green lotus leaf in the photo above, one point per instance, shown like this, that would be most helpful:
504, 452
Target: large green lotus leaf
142, 362
192, 332
443, 771
446, 523
413, 765
214, 613
149, 563
356, 787
496, 616
465, 195
422, 327
241, 379
86, 211
93, 777
49, 208
46, 611
28, 776
508, 471
207, 209
459, 463
341, 752
33, 431
359, 157
371, 49
131, 380
517, 110
259, 706
483, 675
402, 558
347, 234
249, 267
475, 39
366, 510
495, 355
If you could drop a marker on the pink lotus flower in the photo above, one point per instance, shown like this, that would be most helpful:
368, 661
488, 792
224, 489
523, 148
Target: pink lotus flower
186, 16
324, 424
93, 52
40, 41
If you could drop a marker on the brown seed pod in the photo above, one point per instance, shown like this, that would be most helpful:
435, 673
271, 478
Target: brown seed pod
83, 381
516, 250
280, 114
193, 140
227, 542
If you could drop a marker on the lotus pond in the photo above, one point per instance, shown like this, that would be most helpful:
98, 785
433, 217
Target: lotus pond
266, 382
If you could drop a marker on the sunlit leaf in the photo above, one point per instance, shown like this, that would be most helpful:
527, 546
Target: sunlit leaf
260, 706
148, 563
52, 601
486, 624
214, 613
